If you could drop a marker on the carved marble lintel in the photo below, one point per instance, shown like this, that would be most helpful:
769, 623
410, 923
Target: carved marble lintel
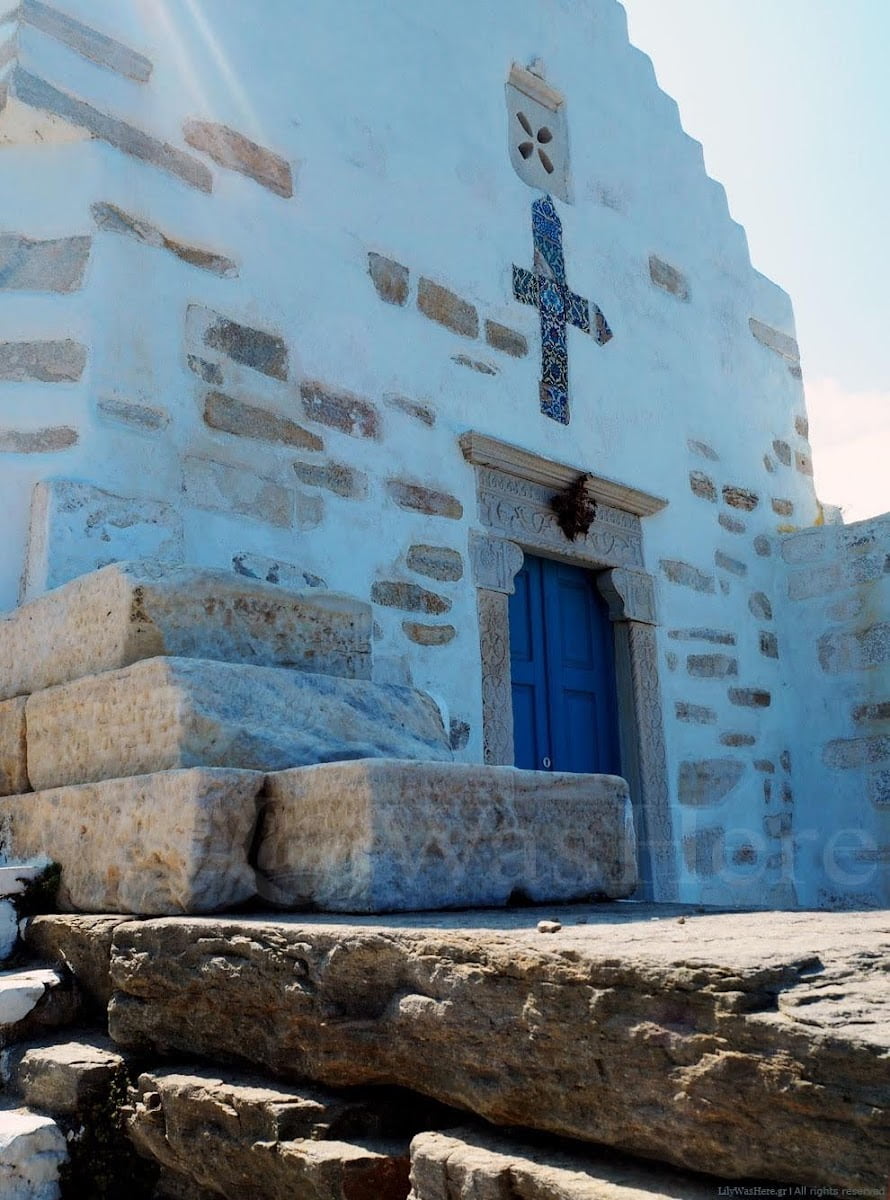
629, 594
519, 510
495, 563
497, 700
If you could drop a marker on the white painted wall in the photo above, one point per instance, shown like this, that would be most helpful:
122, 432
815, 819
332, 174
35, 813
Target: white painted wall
395, 126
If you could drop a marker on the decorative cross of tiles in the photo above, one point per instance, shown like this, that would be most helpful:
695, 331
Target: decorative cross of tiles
559, 306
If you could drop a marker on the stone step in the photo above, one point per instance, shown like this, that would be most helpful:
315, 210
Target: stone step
381, 835
172, 842
239, 1136
34, 999
752, 1045
32, 1149
478, 1166
165, 713
130, 611
64, 1076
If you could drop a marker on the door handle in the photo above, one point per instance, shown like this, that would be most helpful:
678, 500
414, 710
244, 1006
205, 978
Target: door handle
545, 763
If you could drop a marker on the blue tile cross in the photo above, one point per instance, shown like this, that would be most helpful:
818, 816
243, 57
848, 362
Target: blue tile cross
559, 306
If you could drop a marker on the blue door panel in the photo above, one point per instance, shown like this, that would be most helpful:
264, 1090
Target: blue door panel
562, 660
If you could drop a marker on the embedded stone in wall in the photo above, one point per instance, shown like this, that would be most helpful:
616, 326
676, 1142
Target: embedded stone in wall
718, 637
702, 450
762, 546
390, 278
737, 739
750, 697
378, 836
668, 278
501, 337
42, 266
47, 362
704, 851
802, 426
209, 372
420, 412
707, 782
248, 420
686, 575
409, 597
444, 306
238, 153
694, 714
308, 511
127, 612
859, 651
334, 477
878, 786
255, 348
803, 463
417, 498
37, 441
726, 563
88, 42
172, 842
769, 644
272, 570
340, 410
436, 562
737, 497
769, 463
712, 666
782, 452
458, 734
75, 528
731, 524
782, 508
866, 713
474, 364
703, 486
37, 93
781, 343
759, 606
13, 748
814, 581
220, 487
143, 417
164, 713
428, 635
111, 219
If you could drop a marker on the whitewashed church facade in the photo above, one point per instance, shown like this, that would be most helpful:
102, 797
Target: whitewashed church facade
346, 295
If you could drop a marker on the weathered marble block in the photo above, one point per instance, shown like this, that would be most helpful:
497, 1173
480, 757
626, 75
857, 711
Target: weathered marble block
177, 712
13, 752
131, 611
382, 835
175, 842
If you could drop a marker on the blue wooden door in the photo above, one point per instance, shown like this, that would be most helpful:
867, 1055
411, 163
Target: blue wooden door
563, 670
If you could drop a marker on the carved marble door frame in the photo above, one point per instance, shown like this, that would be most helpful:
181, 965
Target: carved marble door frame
514, 489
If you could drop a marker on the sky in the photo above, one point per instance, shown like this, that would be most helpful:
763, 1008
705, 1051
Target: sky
791, 101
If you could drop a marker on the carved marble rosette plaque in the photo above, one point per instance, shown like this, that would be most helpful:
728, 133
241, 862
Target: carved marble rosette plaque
514, 489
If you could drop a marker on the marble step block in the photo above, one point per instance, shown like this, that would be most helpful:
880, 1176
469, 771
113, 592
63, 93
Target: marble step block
32, 1149
165, 713
241, 1136
175, 842
382, 835
131, 611
13, 750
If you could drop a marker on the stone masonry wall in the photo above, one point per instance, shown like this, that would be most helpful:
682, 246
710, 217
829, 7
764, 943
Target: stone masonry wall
252, 302
836, 625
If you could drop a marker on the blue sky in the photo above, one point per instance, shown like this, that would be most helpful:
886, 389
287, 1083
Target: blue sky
791, 100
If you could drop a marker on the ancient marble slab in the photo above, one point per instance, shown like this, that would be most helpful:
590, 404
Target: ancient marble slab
13, 750
131, 611
240, 1136
484, 1166
175, 842
382, 836
165, 713
744, 1045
